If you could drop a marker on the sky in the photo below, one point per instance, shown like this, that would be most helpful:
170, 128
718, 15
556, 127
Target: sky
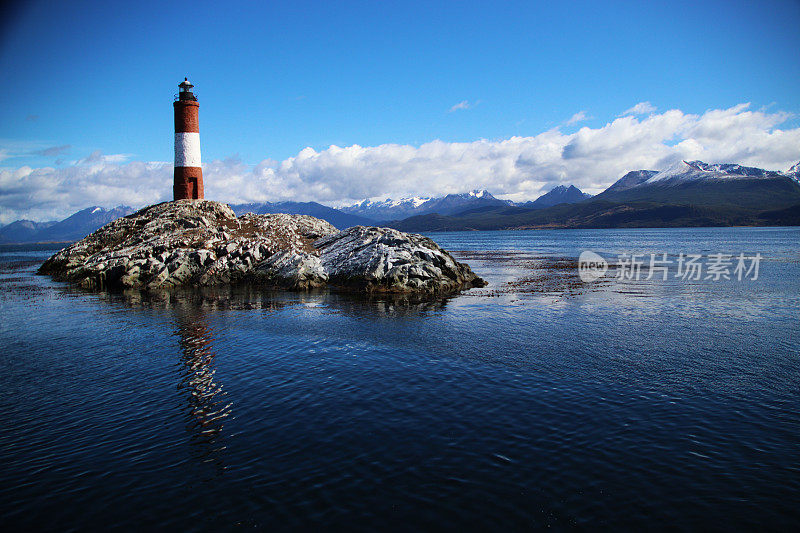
339, 101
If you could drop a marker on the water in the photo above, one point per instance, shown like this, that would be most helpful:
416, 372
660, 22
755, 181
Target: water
536, 401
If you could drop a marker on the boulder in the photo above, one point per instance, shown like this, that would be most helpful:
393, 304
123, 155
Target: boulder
387, 260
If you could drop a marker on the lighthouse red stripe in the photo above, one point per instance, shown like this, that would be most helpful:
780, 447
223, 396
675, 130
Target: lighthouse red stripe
186, 119
188, 183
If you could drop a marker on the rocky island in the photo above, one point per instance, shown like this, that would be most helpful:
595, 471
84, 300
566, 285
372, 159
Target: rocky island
188, 243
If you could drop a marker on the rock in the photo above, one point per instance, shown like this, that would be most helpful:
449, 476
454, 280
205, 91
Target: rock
293, 271
387, 260
203, 243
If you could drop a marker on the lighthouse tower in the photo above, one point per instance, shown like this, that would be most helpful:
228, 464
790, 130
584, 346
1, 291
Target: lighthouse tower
188, 173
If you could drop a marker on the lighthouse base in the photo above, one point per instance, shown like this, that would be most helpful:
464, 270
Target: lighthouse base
188, 184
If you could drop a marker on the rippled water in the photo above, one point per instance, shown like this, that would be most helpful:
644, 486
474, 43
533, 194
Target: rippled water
536, 401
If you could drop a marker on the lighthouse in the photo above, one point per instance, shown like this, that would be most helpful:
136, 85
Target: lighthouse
188, 182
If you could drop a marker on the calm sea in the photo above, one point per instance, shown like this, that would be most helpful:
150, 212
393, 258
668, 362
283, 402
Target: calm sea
536, 401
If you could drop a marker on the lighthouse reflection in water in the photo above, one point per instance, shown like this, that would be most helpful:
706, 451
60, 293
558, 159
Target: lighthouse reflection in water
207, 405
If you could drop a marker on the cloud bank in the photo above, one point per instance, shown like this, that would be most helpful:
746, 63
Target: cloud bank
517, 168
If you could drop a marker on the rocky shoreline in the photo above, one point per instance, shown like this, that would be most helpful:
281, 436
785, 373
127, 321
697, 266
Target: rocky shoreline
198, 243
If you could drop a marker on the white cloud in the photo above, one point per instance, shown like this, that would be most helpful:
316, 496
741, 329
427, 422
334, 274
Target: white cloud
464, 104
580, 116
642, 108
517, 168
49, 193
99, 157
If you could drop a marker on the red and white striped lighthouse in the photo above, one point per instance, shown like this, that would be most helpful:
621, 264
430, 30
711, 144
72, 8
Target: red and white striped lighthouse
188, 172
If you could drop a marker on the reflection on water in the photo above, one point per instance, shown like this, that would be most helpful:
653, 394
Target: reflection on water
207, 405
244, 297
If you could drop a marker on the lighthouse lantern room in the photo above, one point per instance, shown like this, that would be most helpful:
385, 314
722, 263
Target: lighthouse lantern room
185, 90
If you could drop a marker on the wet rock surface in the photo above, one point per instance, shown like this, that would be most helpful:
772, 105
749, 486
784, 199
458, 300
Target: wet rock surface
202, 243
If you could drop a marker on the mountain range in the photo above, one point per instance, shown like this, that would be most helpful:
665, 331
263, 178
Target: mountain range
406, 207
690, 193
390, 210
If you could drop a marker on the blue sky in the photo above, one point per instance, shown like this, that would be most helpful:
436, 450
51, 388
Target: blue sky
274, 78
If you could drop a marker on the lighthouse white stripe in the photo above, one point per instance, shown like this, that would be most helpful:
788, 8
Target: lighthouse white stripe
187, 149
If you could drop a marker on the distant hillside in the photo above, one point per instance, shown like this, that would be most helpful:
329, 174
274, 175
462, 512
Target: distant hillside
334, 216
600, 214
688, 194
559, 195
72, 228
22, 230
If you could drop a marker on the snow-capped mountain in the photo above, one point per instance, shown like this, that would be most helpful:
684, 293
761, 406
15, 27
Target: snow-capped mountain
632, 179
406, 207
402, 204
699, 183
794, 172
698, 170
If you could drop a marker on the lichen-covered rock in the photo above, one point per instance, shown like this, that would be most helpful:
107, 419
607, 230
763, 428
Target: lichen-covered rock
292, 270
187, 242
387, 260
203, 243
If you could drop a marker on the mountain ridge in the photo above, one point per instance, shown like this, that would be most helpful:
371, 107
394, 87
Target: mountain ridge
382, 211
451, 204
22, 230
